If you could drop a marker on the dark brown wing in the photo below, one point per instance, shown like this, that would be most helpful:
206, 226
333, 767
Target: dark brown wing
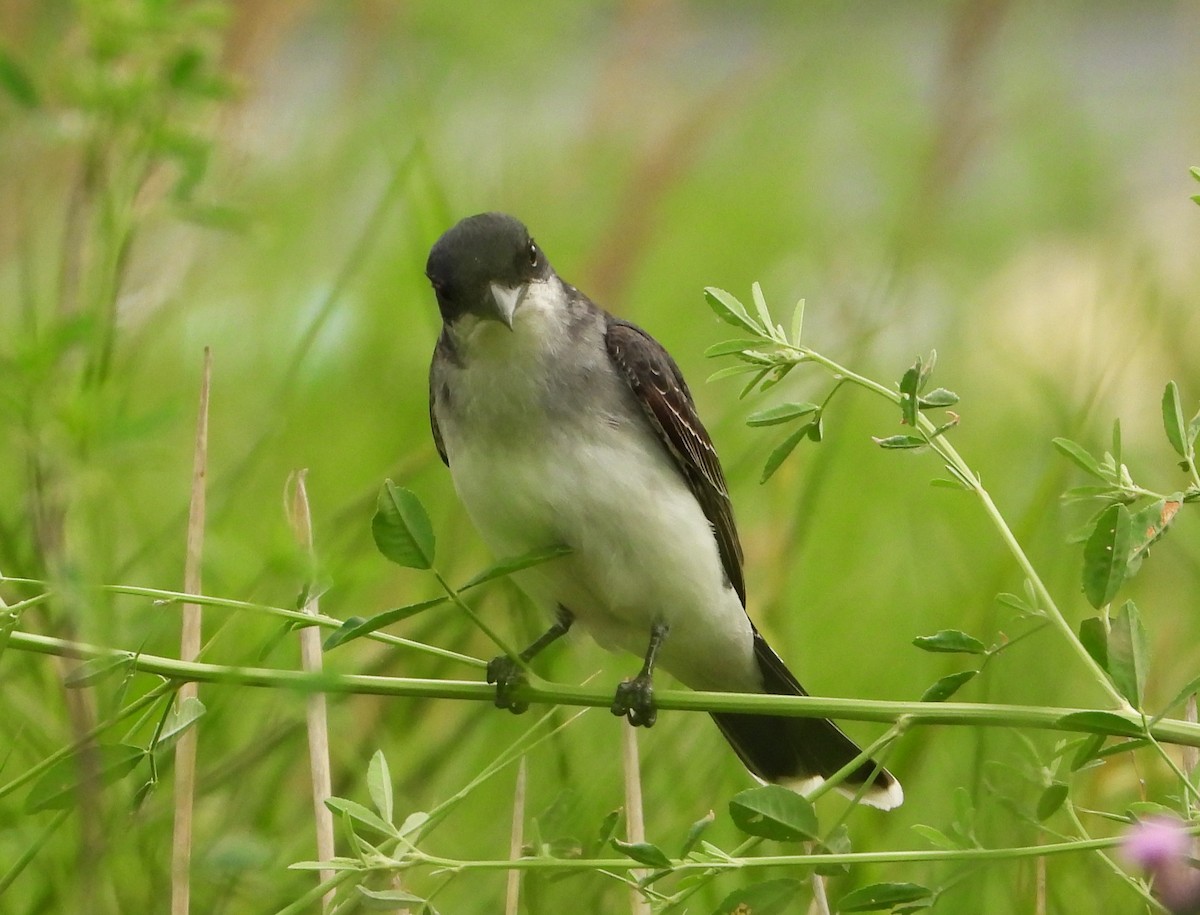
433, 423
659, 388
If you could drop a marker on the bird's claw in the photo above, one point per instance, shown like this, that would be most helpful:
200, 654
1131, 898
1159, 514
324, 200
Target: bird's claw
634, 701
508, 676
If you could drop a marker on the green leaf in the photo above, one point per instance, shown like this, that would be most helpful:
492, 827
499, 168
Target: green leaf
760, 306
947, 686
388, 900
1094, 636
784, 412
1149, 524
356, 627
1052, 798
952, 641
934, 836
182, 716
730, 370
1089, 748
755, 381
695, 831
516, 564
936, 399
608, 829
774, 812
836, 842
401, 528
379, 785
926, 366
357, 812
729, 347
771, 897
1173, 421
880, 896
899, 442
1099, 723
782, 450
909, 386
1127, 653
413, 822
1106, 555
1080, 457
643, 853
798, 322
816, 428
92, 767
97, 669
730, 310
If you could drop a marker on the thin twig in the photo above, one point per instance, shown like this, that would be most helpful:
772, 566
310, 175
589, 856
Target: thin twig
189, 649
635, 820
512, 898
300, 517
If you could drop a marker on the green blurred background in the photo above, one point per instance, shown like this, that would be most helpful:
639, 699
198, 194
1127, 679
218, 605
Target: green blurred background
1007, 183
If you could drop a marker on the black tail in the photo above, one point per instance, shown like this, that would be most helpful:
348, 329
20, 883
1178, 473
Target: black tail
800, 752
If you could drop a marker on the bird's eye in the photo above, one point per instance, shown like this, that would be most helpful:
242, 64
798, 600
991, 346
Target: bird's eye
533, 254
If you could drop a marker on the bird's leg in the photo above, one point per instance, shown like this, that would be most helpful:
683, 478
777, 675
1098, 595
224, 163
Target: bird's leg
635, 697
508, 674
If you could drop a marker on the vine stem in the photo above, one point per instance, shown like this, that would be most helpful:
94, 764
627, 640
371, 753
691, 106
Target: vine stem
687, 865
1167, 730
950, 455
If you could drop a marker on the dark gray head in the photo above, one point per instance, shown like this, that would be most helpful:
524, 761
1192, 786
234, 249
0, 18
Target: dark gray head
483, 266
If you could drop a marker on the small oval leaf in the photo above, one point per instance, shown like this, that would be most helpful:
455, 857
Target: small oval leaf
356, 627
730, 310
937, 398
947, 686
1127, 653
774, 812
1173, 421
97, 669
1099, 723
880, 896
899, 442
953, 641
643, 853
1106, 555
1080, 457
1052, 798
781, 414
401, 528
379, 785
783, 449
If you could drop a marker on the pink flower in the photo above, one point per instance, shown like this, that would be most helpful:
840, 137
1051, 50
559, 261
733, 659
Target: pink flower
1162, 847
1155, 842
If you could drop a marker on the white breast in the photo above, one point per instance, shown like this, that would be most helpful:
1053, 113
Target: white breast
642, 549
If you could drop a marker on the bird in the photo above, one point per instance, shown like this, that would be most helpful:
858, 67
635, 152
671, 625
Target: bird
565, 426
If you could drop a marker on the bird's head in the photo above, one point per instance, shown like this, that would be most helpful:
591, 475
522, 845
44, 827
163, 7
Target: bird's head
484, 266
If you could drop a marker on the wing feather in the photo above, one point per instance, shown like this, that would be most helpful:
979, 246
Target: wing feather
658, 386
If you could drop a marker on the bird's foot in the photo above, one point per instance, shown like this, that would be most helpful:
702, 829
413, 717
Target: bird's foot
635, 701
508, 676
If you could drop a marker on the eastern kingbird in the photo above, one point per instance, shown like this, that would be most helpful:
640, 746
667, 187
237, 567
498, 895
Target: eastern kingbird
564, 425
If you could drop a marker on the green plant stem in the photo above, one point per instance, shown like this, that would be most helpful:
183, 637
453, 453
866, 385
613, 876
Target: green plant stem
684, 866
1132, 882
174, 598
1167, 730
951, 456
